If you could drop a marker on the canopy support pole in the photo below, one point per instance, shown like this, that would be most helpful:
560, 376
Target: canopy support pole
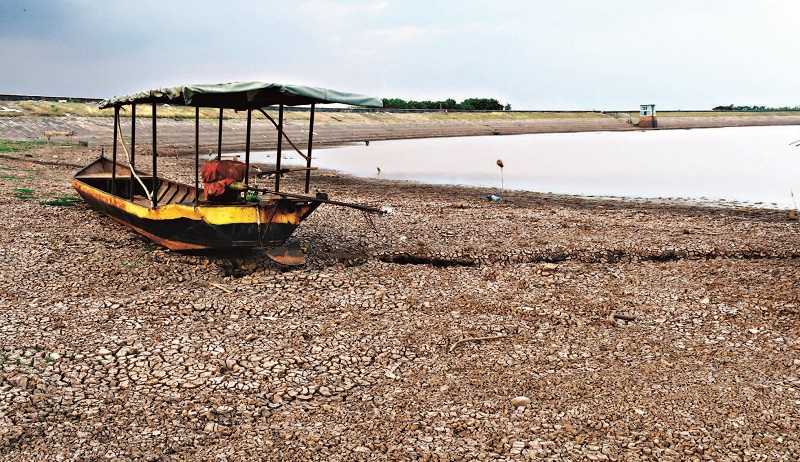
133, 149
219, 137
114, 153
155, 160
278, 153
308, 149
196, 154
247, 149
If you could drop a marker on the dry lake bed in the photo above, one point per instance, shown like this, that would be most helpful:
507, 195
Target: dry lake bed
541, 327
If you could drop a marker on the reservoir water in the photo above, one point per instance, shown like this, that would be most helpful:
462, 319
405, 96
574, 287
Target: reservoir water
751, 165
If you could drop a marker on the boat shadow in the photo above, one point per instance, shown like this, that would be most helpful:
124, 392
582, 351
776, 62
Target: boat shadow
244, 262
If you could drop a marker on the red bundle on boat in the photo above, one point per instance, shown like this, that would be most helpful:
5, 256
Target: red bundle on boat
218, 174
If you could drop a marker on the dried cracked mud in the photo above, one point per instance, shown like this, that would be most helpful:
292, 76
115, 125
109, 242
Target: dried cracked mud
542, 328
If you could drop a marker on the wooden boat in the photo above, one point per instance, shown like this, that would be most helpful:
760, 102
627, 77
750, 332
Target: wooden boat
180, 224
184, 217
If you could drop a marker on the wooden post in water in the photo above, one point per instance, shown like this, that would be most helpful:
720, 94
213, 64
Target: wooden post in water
500, 164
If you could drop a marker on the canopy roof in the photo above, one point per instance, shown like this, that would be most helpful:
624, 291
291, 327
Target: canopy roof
242, 95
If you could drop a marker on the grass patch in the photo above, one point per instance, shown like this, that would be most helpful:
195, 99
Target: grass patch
23, 193
6, 173
61, 201
55, 109
15, 146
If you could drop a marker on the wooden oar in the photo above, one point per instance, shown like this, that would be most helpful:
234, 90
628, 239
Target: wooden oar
238, 186
264, 173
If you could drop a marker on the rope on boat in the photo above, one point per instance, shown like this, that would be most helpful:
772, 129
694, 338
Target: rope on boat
130, 164
284, 134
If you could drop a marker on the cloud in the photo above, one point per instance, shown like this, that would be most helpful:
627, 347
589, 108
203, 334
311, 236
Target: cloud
570, 54
399, 35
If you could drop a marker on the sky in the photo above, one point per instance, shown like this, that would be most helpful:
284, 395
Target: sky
567, 54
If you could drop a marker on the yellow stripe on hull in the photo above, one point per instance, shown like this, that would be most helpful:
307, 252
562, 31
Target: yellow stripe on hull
211, 214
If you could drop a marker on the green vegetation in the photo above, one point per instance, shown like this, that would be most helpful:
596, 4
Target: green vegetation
5, 175
54, 109
10, 173
469, 104
732, 108
61, 201
14, 146
23, 193
251, 196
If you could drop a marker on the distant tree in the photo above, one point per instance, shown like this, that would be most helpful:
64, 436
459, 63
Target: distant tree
450, 103
756, 108
507, 108
395, 103
482, 104
471, 104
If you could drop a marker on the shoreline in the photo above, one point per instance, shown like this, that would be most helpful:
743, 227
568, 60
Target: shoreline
667, 202
336, 129
478, 191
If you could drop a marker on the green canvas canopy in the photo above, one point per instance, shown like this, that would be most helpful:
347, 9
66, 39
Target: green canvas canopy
242, 95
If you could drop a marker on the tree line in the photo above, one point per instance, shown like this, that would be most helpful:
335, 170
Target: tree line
469, 104
731, 107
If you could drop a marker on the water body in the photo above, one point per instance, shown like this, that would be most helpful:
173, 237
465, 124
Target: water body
751, 165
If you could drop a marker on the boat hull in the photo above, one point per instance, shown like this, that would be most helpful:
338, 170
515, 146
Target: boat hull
205, 226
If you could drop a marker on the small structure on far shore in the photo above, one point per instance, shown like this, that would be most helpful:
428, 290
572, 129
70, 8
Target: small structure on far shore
647, 116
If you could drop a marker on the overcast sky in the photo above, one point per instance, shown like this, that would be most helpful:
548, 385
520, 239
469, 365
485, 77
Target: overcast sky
567, 54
